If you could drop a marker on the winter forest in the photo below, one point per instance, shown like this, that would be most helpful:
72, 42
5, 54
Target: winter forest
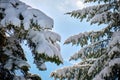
98, 57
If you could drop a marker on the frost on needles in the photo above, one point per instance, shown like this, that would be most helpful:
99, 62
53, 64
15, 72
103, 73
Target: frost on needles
21, 23
100, 50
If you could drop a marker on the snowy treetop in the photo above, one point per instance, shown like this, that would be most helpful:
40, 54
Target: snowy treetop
20, 23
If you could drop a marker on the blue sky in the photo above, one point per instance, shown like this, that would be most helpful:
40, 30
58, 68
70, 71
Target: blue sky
63, 24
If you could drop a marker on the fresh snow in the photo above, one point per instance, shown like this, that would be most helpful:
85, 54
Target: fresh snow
105, 72
104, 45
115, 39
35, 27
114, 61
38, 17
13, 9
17, 13
45, 42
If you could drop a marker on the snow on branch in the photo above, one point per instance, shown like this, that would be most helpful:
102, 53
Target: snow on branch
114, 44
67, 72
113, 52
32, 25
89, 12
105, 17
93, 36
99, 1
95, 50
106, 72
76, 39
97, 65
99, 14
114, 62
18, 13
45, 42
52, 36
115, 39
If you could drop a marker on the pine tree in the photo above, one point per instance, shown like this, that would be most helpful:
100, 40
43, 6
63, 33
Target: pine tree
21, 24
100, 50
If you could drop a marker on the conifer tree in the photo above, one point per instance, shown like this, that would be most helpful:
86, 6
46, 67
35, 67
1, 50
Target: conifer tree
21, 24
100, 50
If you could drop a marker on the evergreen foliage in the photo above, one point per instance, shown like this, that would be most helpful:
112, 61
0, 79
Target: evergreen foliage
21, 24
100, 50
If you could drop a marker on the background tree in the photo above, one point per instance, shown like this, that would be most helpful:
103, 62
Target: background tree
100, 50
21, 24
